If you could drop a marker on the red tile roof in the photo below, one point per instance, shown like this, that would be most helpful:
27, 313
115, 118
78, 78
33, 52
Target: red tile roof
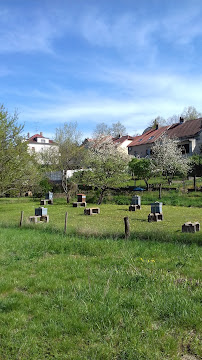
33, 139
149, 137
121, 139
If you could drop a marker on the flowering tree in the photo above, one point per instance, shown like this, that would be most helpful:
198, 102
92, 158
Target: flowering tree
167, 158
107, 166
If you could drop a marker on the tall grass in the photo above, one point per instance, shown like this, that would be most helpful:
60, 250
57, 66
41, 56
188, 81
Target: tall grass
92, 295
66, 297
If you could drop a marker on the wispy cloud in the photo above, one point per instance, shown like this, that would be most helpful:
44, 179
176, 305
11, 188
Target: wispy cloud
119, 31
27, 31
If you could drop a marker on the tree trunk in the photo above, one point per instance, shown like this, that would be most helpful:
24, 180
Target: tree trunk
147, 184
169, 181
101, 196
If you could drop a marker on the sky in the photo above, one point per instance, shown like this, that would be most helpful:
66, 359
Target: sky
95, 61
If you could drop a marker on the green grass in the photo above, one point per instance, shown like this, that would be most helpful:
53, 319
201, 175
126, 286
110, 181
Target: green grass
177, 182
92, 295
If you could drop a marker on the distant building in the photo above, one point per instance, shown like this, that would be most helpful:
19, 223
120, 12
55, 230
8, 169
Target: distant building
38, 143
188, 133
121, 142
142, 144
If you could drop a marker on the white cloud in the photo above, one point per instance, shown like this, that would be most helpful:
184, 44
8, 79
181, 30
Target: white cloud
29, 30
116, 31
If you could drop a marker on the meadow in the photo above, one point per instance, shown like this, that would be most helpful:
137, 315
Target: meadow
91, 294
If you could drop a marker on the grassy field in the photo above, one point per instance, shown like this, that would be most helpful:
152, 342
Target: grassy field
90, 294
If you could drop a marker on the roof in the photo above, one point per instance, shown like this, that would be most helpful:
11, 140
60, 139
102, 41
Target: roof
120, 140
186, 129
33, 139
149, 137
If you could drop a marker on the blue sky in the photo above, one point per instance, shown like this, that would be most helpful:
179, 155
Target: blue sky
93, 61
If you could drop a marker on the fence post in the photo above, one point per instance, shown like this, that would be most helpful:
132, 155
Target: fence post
194, 182
21, 218
65, 229
127, 227
160, 189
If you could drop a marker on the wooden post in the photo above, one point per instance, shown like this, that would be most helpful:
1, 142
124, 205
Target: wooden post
127, 227
65, 229
194, 182
160, 188
21, 218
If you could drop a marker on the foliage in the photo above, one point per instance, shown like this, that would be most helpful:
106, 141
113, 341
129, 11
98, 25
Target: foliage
17, 167
141, 169
107, 166
196, 159
167, 158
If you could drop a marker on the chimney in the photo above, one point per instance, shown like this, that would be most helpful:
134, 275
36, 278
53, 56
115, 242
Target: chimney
157, 126
41, 133
181, 120
28, 135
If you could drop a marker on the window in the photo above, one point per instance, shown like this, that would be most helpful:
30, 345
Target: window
151, 137
139, 140
185, 149
43, 141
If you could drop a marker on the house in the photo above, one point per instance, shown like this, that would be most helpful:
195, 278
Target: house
141, 145
123, 141
188, 133
38, 143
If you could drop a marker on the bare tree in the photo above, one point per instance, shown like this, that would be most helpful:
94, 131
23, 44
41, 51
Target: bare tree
190, 113
118, 129
70, 155
101, 129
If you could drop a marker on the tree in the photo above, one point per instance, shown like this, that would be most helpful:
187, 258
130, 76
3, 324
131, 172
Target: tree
141, 168
18, 169
167, 158
70, 154
118, 129
101, 129
107, 166
173, 120
190, 113
159, 120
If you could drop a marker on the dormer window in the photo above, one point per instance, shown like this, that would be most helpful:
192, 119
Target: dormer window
151, 137
43, 141
139, 140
